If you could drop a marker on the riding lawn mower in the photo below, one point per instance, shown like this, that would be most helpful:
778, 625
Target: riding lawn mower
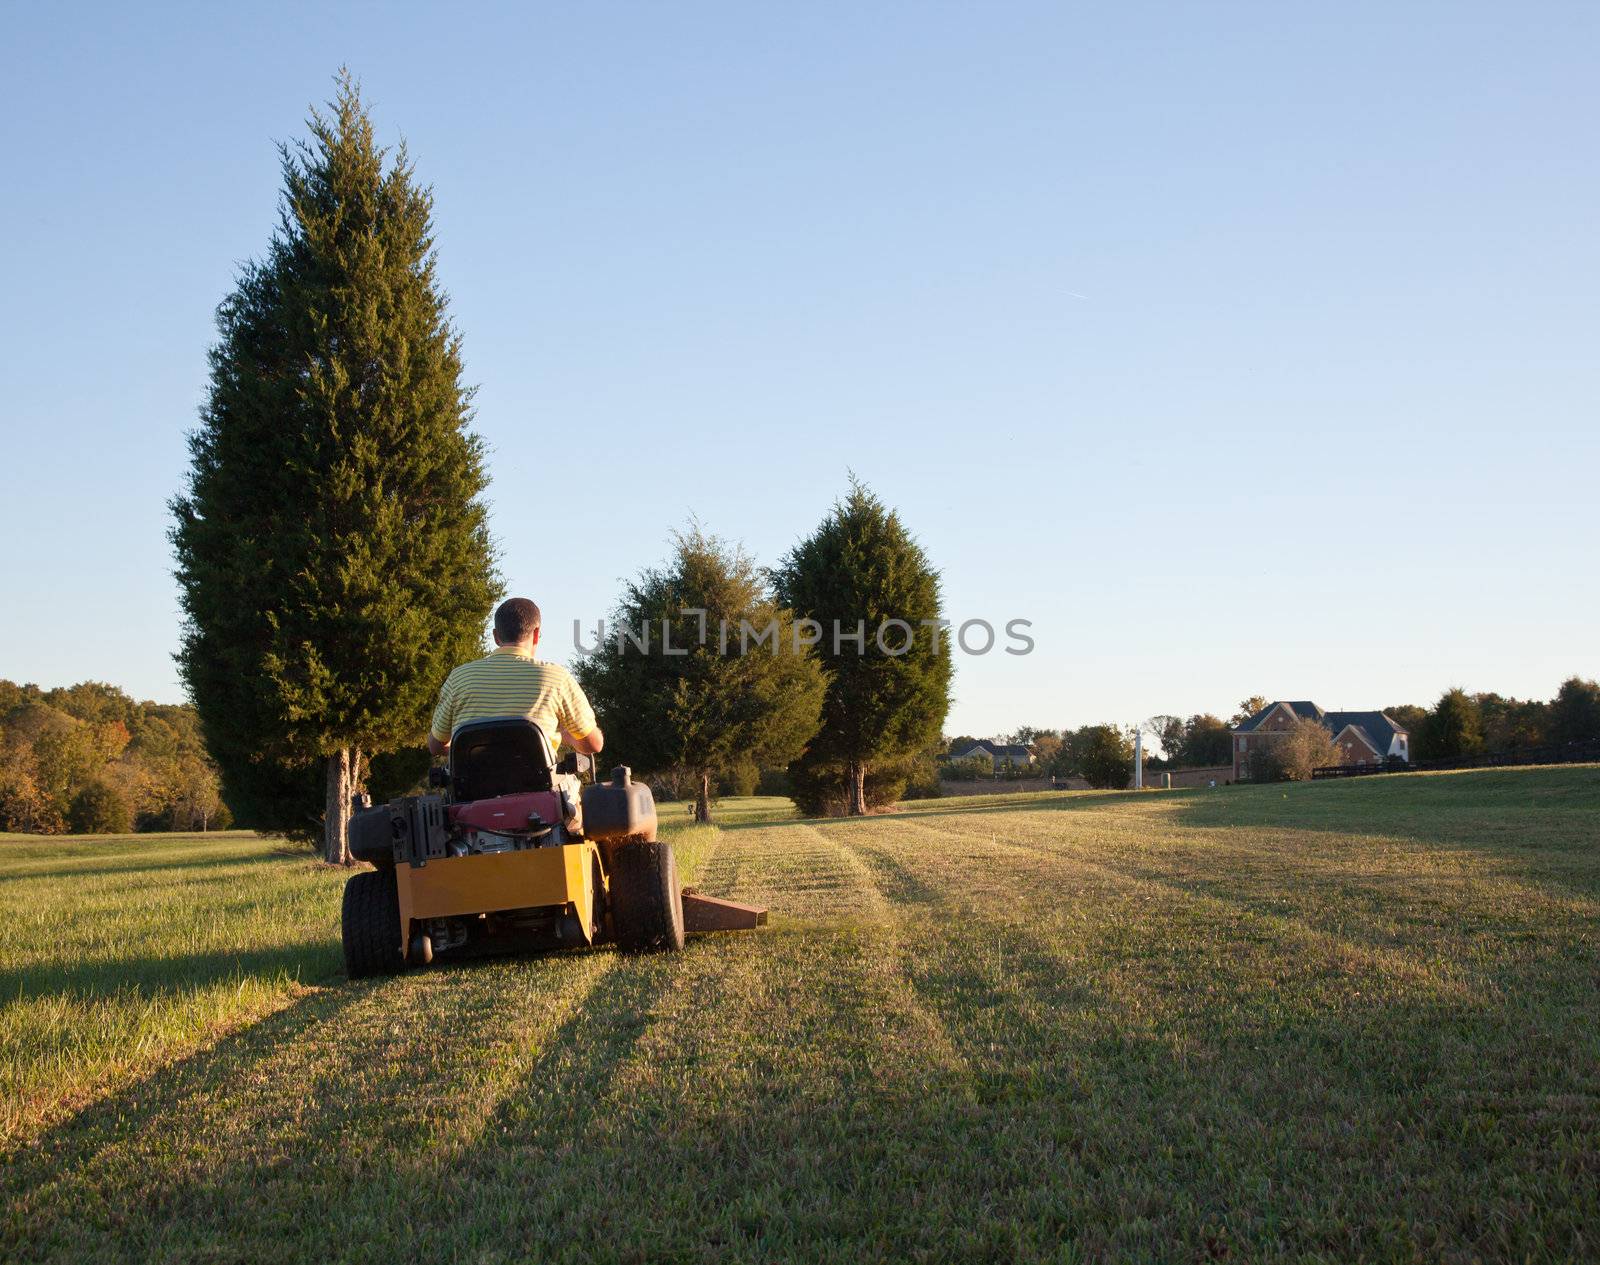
514, 851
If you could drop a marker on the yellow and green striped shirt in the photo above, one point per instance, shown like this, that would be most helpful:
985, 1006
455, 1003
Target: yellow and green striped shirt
508, 683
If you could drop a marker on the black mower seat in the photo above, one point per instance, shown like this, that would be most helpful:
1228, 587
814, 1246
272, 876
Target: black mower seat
499, 757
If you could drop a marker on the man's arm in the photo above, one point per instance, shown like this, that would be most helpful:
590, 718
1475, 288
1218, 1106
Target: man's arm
590, 743
443, 717
579, 729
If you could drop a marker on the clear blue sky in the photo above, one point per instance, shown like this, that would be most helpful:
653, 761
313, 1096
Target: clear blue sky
1243, 348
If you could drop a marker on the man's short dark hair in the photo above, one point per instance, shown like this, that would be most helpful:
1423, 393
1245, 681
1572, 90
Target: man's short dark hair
515, 620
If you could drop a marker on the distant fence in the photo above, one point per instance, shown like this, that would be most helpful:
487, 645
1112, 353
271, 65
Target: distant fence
1394, 764
1586, 752
1210, 776
1152, 781
1012, 786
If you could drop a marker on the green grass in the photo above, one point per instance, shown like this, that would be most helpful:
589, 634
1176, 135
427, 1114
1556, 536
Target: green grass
1326, 1022
736, 810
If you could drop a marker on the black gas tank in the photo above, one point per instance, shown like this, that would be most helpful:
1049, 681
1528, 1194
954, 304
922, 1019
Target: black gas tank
619, 809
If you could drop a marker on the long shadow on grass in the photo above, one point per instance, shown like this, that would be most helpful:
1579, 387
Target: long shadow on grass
58, 1156
674, 1168
355, 1160
308, 961
547, 1112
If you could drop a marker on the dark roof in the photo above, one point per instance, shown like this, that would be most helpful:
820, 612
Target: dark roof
1302, 708
978, 744
1000, 751
1380, 727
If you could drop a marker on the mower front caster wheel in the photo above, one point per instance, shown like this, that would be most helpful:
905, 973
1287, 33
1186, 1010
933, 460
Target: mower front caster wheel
646, 901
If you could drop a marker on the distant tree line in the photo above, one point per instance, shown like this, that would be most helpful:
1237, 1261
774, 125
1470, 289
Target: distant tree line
1102, 755
88, 759
1458, 724
1462, 724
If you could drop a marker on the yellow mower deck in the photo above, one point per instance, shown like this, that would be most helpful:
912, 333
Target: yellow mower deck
531, 878
539, 878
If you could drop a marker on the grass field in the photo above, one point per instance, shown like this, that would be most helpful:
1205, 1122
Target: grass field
1325, 1022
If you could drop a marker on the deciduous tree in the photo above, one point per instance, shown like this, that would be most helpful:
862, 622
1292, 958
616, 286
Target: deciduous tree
24, 805
1168, 733
1511, 724
1103, 755
1413, 720
1248, 708
1292, 757
100, 809
1046, 747
1206, 742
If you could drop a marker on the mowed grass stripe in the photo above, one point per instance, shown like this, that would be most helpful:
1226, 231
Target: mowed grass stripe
809, 1040
1256, 1117
1460, 915
749, 1094
127, 866
1261, 933
800, 873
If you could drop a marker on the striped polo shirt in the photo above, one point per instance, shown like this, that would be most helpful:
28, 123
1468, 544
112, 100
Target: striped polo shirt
509, 683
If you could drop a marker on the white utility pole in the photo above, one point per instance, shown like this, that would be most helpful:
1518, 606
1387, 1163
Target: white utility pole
1138, 759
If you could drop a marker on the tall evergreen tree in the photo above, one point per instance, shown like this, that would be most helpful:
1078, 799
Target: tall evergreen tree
703, 665
887, 694
1575, 711
1454, 727
332, 547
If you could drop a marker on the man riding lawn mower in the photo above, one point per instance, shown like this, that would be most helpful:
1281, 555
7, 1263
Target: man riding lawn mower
514, 851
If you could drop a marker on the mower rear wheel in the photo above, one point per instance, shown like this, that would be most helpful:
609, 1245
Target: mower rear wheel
646, 901
370, 922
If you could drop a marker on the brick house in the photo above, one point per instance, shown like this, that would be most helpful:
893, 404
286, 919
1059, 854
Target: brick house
999, 752
1361, 737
